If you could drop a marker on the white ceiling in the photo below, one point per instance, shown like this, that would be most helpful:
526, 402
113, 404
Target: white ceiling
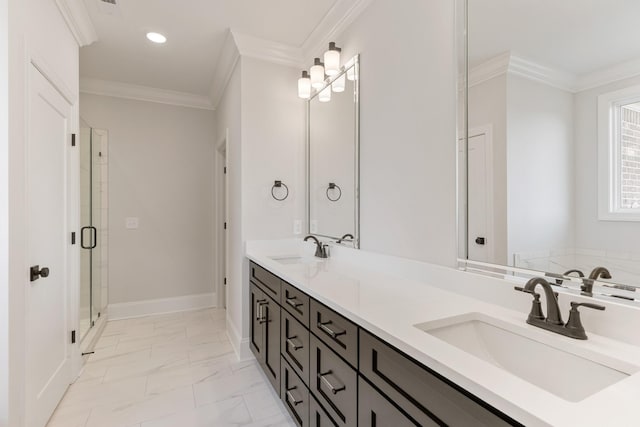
196, 31
575, 36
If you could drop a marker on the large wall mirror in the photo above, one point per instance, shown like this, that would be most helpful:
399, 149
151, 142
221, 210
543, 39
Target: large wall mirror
333, 157
552, 152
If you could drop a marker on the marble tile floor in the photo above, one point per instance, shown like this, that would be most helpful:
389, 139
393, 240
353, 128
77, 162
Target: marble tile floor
169, 370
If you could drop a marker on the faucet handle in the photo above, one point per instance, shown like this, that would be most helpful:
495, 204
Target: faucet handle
575, 305
536, 306
574, 324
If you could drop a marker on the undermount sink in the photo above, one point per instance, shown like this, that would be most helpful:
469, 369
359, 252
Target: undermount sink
294, 259
561, 372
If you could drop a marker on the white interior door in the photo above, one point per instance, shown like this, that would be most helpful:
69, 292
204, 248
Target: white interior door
48, 347
480, 198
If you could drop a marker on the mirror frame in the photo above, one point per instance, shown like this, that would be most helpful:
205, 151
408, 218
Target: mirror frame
605, 291
353, 62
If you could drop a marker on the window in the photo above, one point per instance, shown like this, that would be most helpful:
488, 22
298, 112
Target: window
619, 155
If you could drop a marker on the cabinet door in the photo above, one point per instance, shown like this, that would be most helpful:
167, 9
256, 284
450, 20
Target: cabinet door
375, 410
271, 339
295, 395
257, 300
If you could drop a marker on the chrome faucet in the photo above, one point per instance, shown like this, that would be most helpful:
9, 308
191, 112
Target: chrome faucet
322, 250
553, 322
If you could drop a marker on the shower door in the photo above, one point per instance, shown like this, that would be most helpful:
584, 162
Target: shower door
91, 233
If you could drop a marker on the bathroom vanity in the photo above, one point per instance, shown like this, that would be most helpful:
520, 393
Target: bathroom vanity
345, 344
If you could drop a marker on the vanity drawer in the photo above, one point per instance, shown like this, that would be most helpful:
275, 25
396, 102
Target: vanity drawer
334, 383
336, 331
294, 345
295, 302
269, 282
420, 391
375, 410
295, 395
318, 417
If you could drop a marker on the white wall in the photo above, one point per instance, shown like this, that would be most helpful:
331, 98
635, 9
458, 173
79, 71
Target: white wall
540, 175
160, 171
37, 32
611, 236
4, 212
407, 127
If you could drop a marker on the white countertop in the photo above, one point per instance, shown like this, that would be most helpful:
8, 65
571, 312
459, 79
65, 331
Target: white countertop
389, 304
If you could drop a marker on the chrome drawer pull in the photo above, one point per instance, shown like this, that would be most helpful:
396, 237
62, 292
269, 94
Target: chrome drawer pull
334, 389
327, 330
259, 308
292, 399
292, 302
296, 345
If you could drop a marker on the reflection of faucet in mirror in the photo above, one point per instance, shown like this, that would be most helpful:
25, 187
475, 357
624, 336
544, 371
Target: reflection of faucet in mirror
322, 250
348, 235
596, 273
575, 270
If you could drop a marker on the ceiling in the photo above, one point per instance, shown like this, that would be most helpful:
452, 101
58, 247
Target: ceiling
575, 36
196, 32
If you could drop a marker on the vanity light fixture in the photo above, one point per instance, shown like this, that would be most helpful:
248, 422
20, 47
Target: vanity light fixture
304, 86
325, 94
332, 60
317, 74
339, 84
156, 37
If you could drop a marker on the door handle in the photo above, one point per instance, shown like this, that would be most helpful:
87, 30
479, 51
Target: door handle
259, 309
480, 240
36, 272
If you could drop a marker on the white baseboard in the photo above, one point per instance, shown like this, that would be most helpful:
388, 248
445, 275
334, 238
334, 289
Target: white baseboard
240, 345
128, 310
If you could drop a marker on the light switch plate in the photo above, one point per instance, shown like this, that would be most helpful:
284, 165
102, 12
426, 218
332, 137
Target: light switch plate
297, 226
132, 223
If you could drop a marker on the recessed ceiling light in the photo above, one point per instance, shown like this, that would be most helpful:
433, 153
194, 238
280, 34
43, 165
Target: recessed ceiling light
156, 37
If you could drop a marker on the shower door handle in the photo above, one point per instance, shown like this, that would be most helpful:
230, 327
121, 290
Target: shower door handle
95, 237
82, 238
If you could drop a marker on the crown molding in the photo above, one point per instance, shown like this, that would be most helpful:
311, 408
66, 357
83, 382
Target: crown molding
540, 73
342, 14
268, 50
144, 93
507, 63
616, 73
225, 65
77, 17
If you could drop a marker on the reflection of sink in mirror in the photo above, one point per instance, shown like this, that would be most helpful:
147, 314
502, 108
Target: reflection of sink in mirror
294, 259
566, 375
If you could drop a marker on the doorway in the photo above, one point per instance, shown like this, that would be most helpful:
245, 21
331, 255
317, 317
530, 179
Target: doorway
222, 198
479, 203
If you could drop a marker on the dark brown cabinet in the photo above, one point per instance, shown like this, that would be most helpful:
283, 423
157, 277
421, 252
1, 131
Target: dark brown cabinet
265, 333
331, 373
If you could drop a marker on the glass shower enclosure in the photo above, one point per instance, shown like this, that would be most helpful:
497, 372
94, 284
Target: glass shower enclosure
93, 236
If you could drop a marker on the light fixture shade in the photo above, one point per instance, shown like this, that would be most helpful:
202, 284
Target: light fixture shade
325, 95
332, 60
317, 74
304, 86
339, 84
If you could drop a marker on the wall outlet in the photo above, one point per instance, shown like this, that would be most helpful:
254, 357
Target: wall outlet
314, 226
131, 223
297, 227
